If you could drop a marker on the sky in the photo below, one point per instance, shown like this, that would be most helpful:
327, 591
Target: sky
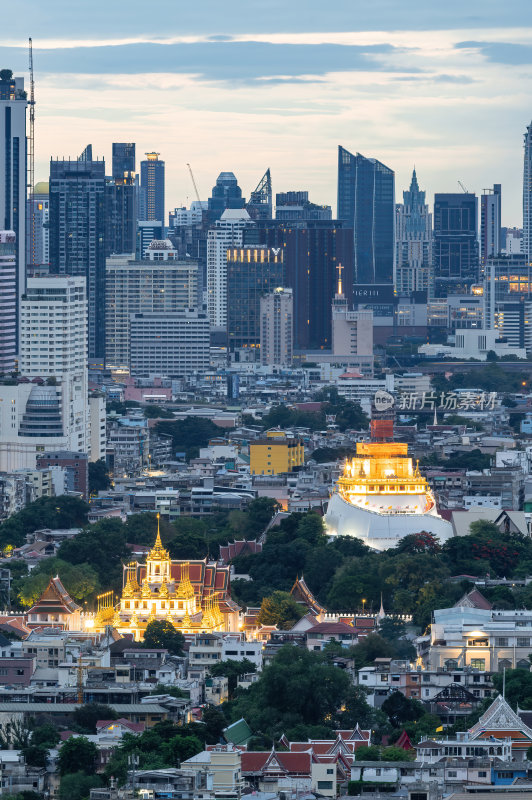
246, 85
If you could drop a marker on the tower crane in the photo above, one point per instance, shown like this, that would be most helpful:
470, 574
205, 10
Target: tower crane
462, 187
30, 235
193, 182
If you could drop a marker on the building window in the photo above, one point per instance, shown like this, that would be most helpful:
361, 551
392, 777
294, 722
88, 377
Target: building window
478, 663
501, 641
325, 784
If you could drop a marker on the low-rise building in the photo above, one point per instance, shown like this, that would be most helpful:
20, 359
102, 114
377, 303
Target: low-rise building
277, 452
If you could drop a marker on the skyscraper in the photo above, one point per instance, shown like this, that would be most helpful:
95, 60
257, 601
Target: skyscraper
77, 234
455, 243
225, 234
38, 250
152, 188
527, 194
8, 301
225, 194
291, 206
490, 223
276, 328
252, 271
13, 180
413, 242
123, 159
366, 201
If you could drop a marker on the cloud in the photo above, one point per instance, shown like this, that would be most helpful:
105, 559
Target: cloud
437, 78
220, 60
501, 52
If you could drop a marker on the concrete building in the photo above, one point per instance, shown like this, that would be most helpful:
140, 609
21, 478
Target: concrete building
13, 178
155, 285
175, 344
98, 420
490, 223
75, 465
526, 245
147, 231
51, 412
152, 188
38, 250
352, 331
277, 453
226, 233
277, 328
127, 446
8, 301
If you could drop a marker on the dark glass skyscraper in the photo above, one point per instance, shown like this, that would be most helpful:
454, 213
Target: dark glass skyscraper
455, 243
366, 201
77, 234
152, 188
123, 159
226, 194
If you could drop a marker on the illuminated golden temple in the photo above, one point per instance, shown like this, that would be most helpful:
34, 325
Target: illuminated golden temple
382, 497
194, 596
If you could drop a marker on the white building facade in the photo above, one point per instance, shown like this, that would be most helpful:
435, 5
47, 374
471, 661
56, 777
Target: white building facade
277, 328
227, 233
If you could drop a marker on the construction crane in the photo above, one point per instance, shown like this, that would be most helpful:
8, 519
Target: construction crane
30, 236
462, 187
194, 183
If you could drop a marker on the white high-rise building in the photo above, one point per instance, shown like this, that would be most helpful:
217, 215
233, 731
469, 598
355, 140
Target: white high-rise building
527, 195
277, 328
13, 104
413, 242
8, 301
38, 251
352, 331
50, 411
227, 232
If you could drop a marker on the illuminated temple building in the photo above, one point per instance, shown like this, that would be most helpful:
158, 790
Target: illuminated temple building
194, 596
382, 497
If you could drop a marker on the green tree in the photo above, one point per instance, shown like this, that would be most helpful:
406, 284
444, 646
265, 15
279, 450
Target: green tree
161, 634
401, 709
103, 547
214, 723
80, 580
396, 754
232, 670
46, 512
369, 753
46, 735
76, 755
189, 434
35, 755
370, 648
518, 689
77, 785
86, 716
280, 609
391, 628
98, 477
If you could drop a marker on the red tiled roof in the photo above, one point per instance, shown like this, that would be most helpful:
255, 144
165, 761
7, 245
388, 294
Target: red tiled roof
292, 763
332, 627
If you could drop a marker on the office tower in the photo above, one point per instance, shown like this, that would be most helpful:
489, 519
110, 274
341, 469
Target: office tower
175, 344
490, 223
13, 179
152, 188
123, 160
413, 242
50, 412
455, 244
251, 272
226, 233
147, 232
77, 234
8, 301
260, 201
277, 328
366, 201
352, 331
512, 240
38, 249
157, 285
188, 233
507, 279
527, 194
225, 194
312, 251
290, 206
120, 215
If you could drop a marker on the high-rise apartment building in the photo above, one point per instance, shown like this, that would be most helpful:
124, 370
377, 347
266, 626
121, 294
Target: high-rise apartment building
490, 223
277, 328
226, 233
252, 271
123, 160
152, 188
456, 265
290, 206
527, 194
155, 286
413, 242
147, 232
13, 180
225, 194
366, 203
77, 234
120, 215
38, 249
51, 411
8, 301
312, 251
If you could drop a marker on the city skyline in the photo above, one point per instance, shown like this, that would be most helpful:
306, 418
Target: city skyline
445, 91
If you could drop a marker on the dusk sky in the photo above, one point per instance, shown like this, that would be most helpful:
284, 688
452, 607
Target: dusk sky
243, 86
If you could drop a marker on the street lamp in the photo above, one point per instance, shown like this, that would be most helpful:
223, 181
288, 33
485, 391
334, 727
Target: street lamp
363, 604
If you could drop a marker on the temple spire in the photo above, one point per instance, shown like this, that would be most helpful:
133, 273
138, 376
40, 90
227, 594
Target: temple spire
340, 292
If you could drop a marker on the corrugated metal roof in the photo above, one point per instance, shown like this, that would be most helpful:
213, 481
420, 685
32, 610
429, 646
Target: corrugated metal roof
69, 708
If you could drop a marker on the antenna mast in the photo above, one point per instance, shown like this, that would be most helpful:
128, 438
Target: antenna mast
31, 162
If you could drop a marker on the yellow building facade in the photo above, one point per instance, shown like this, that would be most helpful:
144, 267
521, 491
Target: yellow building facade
275, 454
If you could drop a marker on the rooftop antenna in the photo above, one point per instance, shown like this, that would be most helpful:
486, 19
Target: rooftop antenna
30, 237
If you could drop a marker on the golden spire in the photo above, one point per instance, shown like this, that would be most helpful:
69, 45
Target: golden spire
185, 590
163, 591
116, 619
340, 288
158, 552
146, 591
134, 622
